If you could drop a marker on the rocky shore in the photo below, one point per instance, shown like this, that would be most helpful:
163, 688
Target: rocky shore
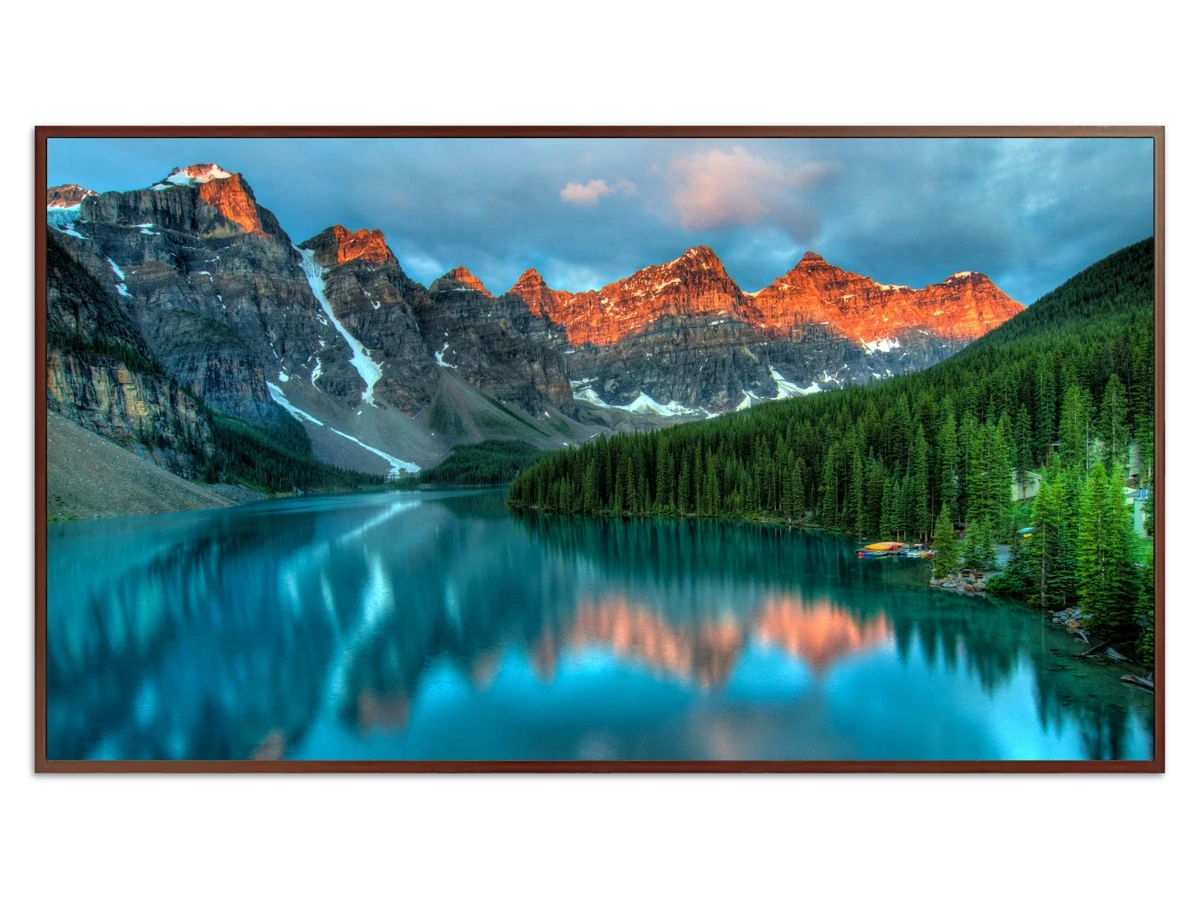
966, 580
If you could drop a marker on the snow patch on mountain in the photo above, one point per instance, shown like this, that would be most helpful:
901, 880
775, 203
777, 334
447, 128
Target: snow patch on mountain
880, 345
297, 413
785, 389
368, 369
397, 464
440, 356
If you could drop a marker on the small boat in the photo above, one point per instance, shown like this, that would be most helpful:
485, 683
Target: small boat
918, 554
887, 546
1026, 533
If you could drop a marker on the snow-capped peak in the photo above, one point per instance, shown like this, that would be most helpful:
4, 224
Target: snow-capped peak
199, 173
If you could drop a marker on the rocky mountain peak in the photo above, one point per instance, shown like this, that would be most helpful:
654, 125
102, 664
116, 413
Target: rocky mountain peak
66, 196
699, 257
226, 191
459, 278
531, 279
541, 300
811, 257
338, 245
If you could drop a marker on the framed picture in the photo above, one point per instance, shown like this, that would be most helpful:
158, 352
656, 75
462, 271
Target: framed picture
599, 449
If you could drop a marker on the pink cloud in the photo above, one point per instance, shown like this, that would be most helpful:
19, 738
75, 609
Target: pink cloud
589, 194
585, 194
715, 188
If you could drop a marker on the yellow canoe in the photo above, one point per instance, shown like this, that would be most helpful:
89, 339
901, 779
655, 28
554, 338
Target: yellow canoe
883, 547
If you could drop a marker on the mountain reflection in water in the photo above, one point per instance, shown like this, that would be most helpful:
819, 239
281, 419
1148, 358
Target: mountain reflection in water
444, 626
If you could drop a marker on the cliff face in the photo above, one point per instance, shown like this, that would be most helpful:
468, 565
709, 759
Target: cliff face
495, 343
373, 298
103, 376
212, 282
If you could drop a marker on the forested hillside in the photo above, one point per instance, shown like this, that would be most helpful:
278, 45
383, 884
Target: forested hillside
1061, 390
482, 464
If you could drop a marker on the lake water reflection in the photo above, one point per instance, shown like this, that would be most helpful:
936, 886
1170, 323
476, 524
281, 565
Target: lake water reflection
442, 626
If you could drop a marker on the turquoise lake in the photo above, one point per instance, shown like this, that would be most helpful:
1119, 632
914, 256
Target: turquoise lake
444, 626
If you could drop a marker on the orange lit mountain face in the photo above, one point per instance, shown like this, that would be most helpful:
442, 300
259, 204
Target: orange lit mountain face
541, 300
459, 279
694, 284
963, 307
339, 245
234, 201
819, 634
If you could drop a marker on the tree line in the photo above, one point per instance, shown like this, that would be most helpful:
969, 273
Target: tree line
482, 464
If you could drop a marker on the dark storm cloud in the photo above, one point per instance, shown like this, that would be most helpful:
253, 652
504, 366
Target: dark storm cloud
1029, 213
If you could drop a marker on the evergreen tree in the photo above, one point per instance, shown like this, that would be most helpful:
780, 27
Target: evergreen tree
1112, 427
1107, 590
889, 512
1045, 407
945, 547
664, 475
798, 490
1020, 575
1024, 452
1000, 477
827, 499
589, 488
787, 505
685, 487
948, 464
966, 450
921, 521
978, 481
856, 511
978, 550
1075, 427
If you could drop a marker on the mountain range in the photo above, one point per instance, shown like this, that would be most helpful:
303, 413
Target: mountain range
192, 276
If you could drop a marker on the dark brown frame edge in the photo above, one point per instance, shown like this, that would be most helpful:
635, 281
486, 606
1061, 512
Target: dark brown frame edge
43, 133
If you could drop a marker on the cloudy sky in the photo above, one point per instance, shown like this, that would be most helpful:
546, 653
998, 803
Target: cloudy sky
1029, 213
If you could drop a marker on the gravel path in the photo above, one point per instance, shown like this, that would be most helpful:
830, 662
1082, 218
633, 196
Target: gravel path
89, 477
